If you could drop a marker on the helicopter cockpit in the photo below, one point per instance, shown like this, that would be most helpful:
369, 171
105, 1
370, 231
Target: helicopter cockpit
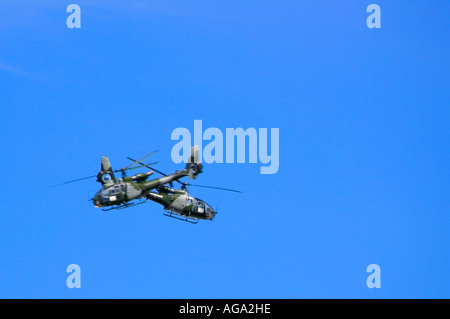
109, 196
200, 207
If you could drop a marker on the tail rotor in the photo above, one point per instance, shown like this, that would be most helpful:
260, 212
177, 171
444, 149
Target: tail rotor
193, 166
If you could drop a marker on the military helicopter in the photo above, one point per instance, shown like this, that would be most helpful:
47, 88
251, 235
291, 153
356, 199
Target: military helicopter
118, 193
179, 205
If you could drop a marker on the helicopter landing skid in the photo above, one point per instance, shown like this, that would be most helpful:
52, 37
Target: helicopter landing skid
123, 206
181, 217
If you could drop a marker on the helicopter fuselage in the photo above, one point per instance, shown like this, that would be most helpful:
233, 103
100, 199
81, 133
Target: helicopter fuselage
117, 193
123, 190
180, 202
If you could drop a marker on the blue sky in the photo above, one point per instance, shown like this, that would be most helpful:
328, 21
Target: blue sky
364, 125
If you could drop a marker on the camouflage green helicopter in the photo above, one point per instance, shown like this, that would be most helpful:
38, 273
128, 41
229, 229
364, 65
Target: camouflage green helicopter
116, 193
179, 205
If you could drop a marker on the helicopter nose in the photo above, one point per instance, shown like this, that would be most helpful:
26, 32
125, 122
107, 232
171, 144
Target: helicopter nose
96, 201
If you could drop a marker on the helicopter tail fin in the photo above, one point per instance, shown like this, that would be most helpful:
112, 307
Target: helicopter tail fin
106, 173
194, 167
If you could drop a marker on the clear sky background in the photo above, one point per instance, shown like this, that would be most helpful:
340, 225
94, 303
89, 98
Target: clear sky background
364, 153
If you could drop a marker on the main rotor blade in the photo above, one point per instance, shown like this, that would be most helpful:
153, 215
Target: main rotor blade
75, 180
213, 187
138, 161
148, 166
135, 167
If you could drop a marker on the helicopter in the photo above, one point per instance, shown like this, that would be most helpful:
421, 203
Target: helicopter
119, 193
179, 205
